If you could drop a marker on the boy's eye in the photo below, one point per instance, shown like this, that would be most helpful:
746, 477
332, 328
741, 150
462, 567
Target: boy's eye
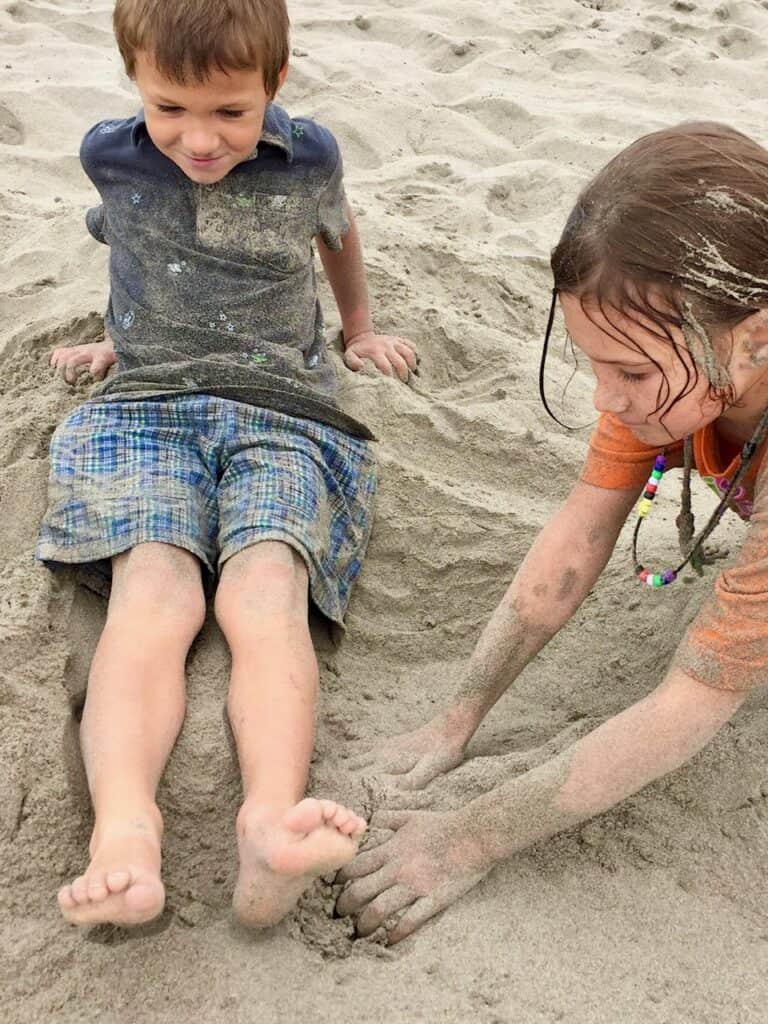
166, 109
231, 113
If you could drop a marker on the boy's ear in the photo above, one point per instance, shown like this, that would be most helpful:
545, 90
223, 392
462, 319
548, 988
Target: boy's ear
283, 74
755, 337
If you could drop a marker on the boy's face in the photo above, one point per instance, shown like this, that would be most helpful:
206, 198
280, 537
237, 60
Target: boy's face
206, 128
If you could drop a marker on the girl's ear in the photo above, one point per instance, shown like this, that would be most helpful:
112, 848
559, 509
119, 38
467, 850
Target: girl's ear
754, 338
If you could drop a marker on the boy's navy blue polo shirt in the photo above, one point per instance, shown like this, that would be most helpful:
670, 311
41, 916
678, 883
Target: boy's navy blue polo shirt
212, 287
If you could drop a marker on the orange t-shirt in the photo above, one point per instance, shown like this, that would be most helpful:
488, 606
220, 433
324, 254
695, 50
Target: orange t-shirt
727, 644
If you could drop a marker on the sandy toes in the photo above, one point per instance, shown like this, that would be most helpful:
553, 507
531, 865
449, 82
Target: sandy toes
281, 854
121, 884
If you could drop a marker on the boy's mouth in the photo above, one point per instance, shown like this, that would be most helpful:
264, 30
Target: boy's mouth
202, 161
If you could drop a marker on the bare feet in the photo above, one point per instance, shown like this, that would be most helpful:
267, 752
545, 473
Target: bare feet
282, 852
122, 882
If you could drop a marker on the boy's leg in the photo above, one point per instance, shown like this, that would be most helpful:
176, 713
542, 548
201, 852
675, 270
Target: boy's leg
133, 712
284, 841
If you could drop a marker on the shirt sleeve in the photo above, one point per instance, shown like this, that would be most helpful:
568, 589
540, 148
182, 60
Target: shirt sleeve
616, 459
726, 646
95, 220
332, 223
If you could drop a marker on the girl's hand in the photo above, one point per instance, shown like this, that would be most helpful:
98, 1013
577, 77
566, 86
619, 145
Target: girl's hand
391, 355
413, 759
96, 358
427, 864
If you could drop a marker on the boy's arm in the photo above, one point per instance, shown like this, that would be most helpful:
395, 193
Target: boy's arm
556, 575
346, 276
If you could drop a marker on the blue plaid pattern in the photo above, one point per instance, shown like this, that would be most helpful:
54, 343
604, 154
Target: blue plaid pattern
212, 476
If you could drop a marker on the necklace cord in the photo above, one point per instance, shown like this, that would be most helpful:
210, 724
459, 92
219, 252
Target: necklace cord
683, 523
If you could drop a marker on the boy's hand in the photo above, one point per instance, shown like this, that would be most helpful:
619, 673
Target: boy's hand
393, 356
96, 357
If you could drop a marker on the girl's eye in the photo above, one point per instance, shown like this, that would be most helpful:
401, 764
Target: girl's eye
231, 113
632, 378
167, 110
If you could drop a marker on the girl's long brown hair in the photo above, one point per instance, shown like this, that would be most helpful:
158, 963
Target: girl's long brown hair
674, 232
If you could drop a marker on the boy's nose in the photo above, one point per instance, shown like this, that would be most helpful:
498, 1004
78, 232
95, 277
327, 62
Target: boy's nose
200, 143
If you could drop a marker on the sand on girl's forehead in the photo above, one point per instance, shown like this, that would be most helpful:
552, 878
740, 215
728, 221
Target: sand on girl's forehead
467, 129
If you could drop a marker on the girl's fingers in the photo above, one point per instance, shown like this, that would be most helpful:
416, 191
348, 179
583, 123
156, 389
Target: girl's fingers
380, 908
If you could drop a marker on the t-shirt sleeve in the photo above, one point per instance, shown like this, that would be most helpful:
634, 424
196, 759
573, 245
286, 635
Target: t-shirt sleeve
726, 646
95, 222
616, 459
332, 223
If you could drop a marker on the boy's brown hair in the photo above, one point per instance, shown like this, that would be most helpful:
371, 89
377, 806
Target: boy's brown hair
187, 39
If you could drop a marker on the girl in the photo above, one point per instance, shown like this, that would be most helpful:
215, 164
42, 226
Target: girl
662, 278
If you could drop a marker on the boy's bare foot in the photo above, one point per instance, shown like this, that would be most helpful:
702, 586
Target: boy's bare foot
282, 852
122, 882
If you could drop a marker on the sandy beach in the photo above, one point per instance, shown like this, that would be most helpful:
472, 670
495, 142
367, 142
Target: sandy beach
467, 130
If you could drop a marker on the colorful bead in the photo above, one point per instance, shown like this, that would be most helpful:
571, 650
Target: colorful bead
660, 579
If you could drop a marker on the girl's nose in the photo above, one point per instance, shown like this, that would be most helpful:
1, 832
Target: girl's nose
609, 399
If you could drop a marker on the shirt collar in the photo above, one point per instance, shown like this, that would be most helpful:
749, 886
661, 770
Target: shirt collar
276, 131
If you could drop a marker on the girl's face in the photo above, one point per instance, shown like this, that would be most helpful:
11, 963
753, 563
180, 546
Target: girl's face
630, 380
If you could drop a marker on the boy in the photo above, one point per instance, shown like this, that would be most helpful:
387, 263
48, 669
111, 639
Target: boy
217, 445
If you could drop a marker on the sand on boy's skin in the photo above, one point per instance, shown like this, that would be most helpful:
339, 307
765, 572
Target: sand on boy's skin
467, 130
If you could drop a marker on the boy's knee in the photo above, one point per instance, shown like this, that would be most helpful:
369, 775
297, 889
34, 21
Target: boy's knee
266, 581
163, 585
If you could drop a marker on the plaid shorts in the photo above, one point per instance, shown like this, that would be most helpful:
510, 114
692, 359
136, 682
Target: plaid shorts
212, 476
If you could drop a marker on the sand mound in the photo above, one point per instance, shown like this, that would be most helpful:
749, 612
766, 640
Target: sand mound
467, 130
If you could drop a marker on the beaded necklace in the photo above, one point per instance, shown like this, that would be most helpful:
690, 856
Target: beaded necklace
668, 576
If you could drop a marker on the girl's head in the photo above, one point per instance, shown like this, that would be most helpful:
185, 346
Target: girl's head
662, 274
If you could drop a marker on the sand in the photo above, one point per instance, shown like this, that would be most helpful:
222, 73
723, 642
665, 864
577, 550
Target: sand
467, 129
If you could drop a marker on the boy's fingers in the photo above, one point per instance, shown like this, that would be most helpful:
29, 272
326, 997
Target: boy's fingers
99, 367
400, 366
408, 354
353, 361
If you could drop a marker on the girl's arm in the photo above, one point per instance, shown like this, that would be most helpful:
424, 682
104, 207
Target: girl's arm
346, 276
556, 575
434, 858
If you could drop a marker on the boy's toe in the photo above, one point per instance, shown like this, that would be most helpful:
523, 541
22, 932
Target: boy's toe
342, 817
118, 881
97, 889
79, 889
65, 898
